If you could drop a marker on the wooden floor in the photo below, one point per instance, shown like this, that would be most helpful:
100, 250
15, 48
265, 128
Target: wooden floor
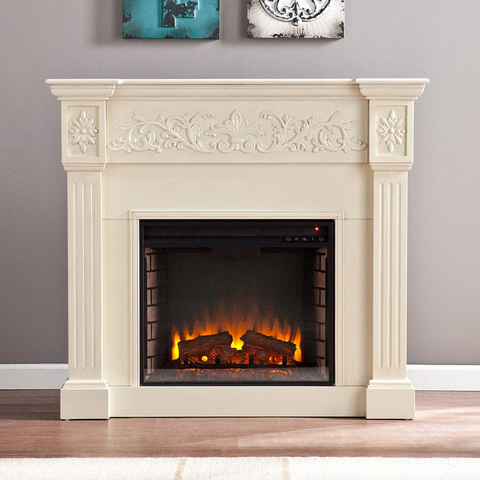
447, 424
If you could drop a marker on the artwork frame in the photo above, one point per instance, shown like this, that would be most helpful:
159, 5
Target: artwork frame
173, 19
296, 19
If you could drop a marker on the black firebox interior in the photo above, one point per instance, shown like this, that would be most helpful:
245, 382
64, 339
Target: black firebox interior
237, 302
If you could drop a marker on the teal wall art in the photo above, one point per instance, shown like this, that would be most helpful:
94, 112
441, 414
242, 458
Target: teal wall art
171, 19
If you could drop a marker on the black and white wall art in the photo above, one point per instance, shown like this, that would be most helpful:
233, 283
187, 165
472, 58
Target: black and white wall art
296, 18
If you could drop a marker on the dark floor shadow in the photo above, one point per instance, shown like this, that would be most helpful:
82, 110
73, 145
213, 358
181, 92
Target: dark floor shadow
29, 405
29, 416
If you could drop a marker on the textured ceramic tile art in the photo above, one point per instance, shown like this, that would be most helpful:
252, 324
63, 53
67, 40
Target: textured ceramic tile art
296, 18
170, 19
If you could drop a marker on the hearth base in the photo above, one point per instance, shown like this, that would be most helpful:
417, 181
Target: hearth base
373, 402
238, 402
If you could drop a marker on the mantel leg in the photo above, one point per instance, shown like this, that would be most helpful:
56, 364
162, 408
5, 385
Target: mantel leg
85, 393
389, 393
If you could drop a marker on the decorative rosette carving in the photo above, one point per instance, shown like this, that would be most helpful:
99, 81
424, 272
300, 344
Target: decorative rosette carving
83, 131
391, 131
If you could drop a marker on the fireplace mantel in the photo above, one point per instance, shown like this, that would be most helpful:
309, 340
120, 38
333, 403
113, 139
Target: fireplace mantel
237, 149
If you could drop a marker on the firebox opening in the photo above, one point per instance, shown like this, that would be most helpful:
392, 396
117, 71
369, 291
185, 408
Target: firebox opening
236, 302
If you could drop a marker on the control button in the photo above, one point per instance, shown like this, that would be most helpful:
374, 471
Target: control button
304, 239
321, 239
288, 239
296, 239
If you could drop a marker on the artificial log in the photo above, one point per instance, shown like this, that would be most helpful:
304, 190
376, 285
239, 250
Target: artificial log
261, 341
260, 356
265, 350
204, 344
228, 355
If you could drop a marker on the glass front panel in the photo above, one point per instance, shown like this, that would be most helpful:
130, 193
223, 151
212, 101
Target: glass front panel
235, 306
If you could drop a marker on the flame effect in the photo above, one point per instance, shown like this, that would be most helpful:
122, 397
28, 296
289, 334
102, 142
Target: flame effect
237, 321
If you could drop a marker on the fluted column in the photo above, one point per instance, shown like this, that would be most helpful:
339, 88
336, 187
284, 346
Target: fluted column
389, 392
390, 268
85, 277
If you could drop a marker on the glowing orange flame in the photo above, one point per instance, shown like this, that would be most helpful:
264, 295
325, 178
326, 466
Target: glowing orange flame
176, 338
237, 321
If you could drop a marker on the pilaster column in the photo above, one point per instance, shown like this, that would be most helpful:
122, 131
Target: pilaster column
85, 394
389, 392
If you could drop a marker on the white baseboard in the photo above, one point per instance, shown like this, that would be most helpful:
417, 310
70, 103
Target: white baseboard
464, 378
33, 376
423, 377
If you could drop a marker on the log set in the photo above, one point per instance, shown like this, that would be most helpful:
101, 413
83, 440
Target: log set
203, 344
258, 349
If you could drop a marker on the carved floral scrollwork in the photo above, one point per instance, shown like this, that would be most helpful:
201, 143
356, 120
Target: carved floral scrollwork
391, 131
299, 134
333, 136
83, 131
287, 132
164, 132
236, 128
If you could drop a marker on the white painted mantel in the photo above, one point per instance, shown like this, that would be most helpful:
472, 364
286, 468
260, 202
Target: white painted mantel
255, 149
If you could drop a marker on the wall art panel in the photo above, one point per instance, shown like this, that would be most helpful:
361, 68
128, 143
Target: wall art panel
171, 19
296, 18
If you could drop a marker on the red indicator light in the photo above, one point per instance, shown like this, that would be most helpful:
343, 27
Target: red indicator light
317, 229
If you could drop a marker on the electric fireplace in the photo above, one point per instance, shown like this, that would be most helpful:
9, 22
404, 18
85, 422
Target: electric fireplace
237, 247
237, 302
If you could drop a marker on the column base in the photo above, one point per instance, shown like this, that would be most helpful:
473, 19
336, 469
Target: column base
392, 400
85, 400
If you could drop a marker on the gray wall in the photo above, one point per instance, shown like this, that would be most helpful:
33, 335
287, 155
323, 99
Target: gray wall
384, 38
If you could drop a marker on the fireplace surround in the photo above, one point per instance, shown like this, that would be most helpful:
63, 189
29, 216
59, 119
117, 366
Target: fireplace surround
151, 153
